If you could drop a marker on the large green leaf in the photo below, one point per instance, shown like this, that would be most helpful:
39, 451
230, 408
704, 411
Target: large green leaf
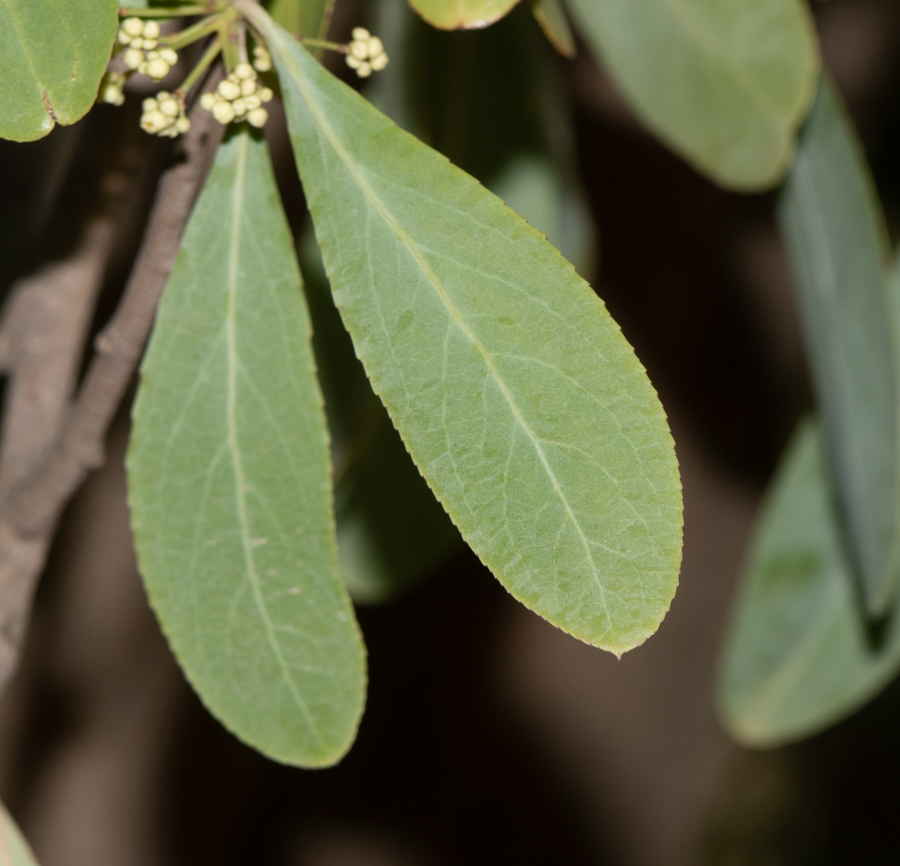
552, 18
835, 233
14, 850
514, 390
725, 83
391, 531
229, 480
797, 658
462, 14
53, 54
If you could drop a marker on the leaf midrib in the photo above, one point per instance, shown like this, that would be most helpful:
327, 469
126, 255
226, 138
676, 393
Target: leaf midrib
231, 426
454, 313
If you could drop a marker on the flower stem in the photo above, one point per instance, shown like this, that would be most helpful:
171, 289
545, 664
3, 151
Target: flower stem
322, 43
211, 53
162, 12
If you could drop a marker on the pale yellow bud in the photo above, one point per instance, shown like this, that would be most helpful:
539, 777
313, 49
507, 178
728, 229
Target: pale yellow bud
149, 44
137, 43
149, 104
252, 102
258, 117
248, 87
151, 30
360, 34
244, 71
223, 112
133, 27
228, 90
352, 62
379, 62
133, 58
207, 101
263, 64
124, 38
265, 94
155, 121
169, 107
152, 55
182, 124
158, 68
359, 50
240, 107
375, 47
112, 95
169, 55
364, 71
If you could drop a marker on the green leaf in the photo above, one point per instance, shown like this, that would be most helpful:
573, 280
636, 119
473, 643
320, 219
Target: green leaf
14, 850
797, 658
462, 14
513, 389
552, 18
836, 238
391, 530
306, 17
725, 85
229, 480
53, 54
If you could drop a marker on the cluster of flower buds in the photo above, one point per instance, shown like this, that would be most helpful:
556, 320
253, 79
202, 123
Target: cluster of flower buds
164, 115
262, 60
365, 53
239, 97
112, 88
142, 53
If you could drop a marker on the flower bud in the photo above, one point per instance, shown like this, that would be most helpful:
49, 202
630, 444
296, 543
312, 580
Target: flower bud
133, 27
359, 50
157, 68
360, 34
137, 43
183, 124
258, 117
149, 104
252, 102
375, 47
169, 107
248, 87
150, 30
149, 44
228, 90
133, 58
265, 94
207, 101
364, 71
169, 55
240, 107
379, 62
244, 71
223, 112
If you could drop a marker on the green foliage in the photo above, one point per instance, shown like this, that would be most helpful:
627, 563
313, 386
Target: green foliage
725, 85
513, 389
230, 485
802, 653
552, 18
837, 241
53, 54
14, 850
798, 656
462, 14
307, 17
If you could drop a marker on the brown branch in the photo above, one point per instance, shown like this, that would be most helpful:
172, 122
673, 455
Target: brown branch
28, 515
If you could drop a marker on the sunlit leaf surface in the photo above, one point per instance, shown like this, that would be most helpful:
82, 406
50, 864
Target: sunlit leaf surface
462, 14
515, 392
724, 84
229, 480
53, 54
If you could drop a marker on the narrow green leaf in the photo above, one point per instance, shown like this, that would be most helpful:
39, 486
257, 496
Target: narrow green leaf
53, 54
725, 85
462, 14
513, 389
797, 658
229, 480
835, 234
552, 18
14, 850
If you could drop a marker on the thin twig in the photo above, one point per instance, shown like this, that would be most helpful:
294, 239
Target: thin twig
28, 516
